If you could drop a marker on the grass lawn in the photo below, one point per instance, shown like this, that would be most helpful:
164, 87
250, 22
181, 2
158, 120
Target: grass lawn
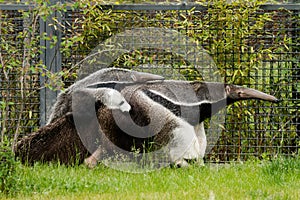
279, 179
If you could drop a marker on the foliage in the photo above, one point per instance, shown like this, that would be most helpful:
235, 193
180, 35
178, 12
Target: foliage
8, 169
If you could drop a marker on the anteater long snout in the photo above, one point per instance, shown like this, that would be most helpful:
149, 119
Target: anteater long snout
249, 93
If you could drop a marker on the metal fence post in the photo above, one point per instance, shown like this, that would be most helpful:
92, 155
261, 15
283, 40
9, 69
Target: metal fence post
51, 57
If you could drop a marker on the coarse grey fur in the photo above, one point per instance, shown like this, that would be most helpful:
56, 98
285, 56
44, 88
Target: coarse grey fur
191, 102
170, 132
64, 100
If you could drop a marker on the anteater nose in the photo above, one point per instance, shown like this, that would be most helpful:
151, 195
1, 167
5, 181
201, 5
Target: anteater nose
277, 100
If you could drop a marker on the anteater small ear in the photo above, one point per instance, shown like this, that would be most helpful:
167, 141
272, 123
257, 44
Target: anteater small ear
227, 89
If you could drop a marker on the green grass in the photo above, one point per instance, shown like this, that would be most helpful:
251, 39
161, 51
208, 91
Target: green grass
279, 179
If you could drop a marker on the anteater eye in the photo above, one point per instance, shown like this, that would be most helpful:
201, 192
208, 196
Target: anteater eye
121, 103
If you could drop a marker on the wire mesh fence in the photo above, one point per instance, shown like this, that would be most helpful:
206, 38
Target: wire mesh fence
264, 56
20, 99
